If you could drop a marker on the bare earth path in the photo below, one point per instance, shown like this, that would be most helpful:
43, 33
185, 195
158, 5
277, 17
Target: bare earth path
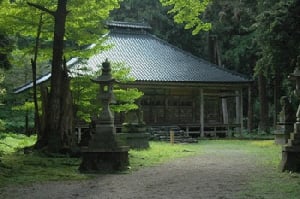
213, 175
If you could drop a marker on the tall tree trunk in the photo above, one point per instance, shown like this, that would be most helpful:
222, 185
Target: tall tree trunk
214, 50
262, 92
37, 120
277, 83
56, 101
58, 116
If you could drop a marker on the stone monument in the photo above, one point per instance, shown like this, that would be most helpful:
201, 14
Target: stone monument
135, 129
285, 126
104, 152
291, 151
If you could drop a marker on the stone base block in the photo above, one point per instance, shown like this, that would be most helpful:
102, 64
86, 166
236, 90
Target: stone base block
281, 138
290, 159
138, 140
98, 162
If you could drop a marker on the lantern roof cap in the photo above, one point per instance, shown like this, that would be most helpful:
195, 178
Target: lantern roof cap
296, 73
106, 76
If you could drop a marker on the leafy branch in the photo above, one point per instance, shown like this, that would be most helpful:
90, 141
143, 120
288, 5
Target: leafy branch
42, 8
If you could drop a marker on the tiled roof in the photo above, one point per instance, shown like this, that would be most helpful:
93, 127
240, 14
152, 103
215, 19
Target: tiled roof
152, 59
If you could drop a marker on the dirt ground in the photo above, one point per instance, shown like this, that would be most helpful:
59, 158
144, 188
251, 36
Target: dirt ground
214, 175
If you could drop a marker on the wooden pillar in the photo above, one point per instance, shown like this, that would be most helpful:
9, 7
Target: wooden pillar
241, 110
250, 109
224, 111
166, 92
178, 108
194, 108
237, 107
201, 113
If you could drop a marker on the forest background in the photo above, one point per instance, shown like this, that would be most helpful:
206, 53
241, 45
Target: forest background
260, 39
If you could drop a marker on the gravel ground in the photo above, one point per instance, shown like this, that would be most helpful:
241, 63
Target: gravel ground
214, 175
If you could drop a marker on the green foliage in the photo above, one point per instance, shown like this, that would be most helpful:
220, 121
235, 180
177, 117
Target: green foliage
15, 119
85, 93
83, 26
84, 96
5, 49
278, 37
232, 24
27, 106
10, 143
126, 99
188, 13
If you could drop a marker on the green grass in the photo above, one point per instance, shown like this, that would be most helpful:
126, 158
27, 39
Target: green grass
19, 168
272, 183
161, 152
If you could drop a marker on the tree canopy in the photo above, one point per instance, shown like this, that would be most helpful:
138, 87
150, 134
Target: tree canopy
189, 13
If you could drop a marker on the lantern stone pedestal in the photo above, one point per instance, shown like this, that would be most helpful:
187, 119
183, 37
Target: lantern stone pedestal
134, 129
104, 151
136, 136
291, 151
104, 160
285, 126
282, 132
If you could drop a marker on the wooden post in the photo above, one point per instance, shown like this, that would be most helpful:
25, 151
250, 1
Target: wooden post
241, 110
171, 136
202, 112
238, 108
250, 109
225, 111
79, 135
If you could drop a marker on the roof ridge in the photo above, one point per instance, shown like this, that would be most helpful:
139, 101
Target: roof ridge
122, 24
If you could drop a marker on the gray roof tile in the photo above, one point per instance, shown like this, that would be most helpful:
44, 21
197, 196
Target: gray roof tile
152, 59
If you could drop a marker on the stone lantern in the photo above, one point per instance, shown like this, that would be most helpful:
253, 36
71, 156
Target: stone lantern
104, 152
291, 151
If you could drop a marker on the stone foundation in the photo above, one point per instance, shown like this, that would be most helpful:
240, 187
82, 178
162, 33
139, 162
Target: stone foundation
282, 132
105, 160
291, 152
138, 140
290, 159
136, 136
